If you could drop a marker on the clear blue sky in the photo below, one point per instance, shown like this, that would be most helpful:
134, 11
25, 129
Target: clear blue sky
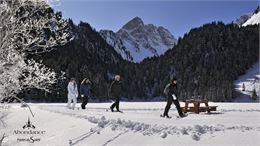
177, 16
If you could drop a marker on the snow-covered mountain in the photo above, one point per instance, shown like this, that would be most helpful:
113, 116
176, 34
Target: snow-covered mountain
242, 19
249, 18
136, 40
255, 19
114, 40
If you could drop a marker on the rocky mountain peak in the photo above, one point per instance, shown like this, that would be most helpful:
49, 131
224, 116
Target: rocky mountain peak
135, 22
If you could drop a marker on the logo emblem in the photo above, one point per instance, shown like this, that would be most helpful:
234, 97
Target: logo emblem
29, 125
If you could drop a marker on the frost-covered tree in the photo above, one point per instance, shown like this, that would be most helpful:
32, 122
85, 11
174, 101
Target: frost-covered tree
28, 27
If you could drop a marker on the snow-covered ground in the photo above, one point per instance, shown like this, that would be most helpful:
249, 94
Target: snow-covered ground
233, 124
251, 80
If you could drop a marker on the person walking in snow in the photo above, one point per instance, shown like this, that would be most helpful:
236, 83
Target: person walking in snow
171, 93
85, 91
115, 92
72, 93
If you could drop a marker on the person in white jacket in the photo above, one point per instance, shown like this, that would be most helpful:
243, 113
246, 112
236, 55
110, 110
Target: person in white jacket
72, 93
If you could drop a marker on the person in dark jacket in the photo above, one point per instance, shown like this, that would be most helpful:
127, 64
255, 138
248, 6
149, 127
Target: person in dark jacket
115, 92
85, 91
171, 93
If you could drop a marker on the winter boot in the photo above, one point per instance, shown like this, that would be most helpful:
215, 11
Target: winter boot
183, 115
166, 116
112, 110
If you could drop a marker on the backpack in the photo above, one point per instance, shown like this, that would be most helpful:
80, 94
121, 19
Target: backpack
166, 89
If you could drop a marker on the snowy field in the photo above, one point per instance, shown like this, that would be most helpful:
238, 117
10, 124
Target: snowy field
233, 124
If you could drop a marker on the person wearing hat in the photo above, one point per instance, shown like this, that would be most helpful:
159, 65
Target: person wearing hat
72, 93
115, 92
85, 91
171, 93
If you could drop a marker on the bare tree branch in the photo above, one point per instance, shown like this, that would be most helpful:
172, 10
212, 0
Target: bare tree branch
2, 139
24, 104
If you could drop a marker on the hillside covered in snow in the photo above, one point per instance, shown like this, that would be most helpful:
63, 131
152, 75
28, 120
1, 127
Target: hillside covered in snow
250, 81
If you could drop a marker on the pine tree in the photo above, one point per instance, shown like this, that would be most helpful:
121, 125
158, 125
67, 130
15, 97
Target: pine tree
254, 95
243, 87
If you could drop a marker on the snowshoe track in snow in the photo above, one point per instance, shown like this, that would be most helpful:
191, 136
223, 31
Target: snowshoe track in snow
195, 131
112, 139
